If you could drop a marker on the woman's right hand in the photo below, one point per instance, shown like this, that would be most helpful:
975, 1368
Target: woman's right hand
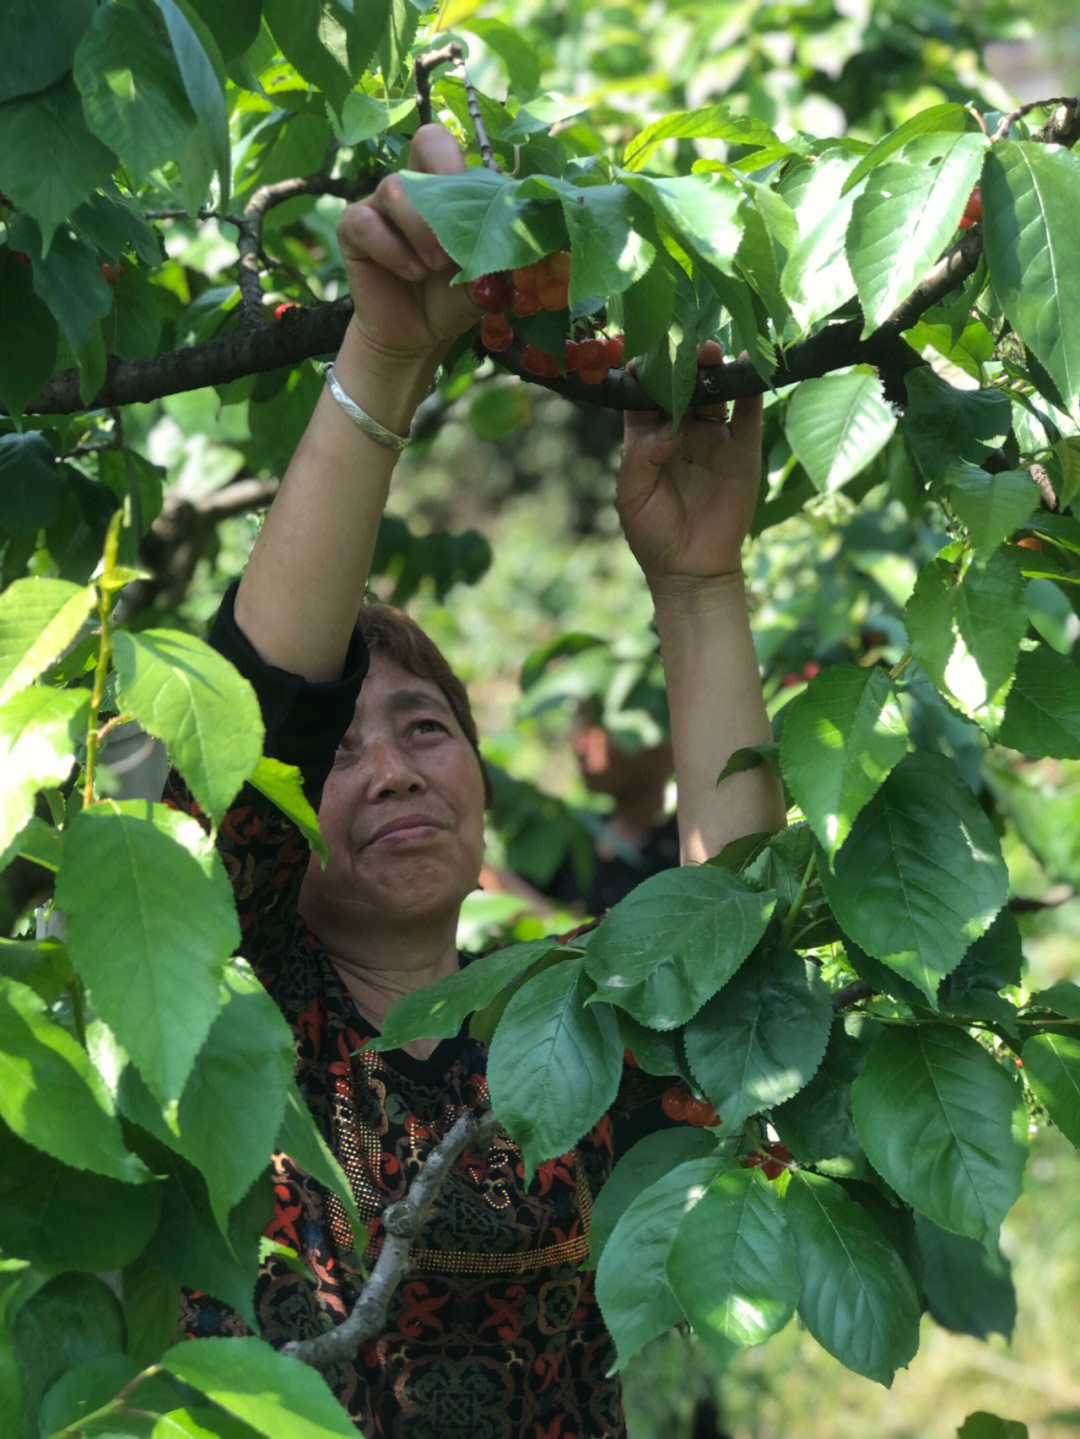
399, 276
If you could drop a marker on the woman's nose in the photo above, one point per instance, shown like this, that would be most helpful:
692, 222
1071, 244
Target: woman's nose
390, 769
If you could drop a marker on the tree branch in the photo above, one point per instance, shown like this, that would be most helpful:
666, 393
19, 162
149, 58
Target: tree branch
402, 1223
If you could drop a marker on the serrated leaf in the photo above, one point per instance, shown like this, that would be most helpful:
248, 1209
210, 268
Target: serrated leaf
948, 117
922, 836
51, 1095
155, 983
1030, 198
233, 1103
51, 123
39, 618
513, 49
439, 1010
703, 213
631, 1283
965, 631
944, 424
1042, 712
934, 1112
816, 278
610, 252
856, 1296
280, 1397
482, 220
710, 122
1052, 1068
203, 75
991, 506
665, 949
761, 1039
300, 1139
641, 1166
816, 1123
183, 692
967, 1289
836, 425
315, 43
842, 737
283, 785
906, 215
68, 279
732, 1265
554, 1063
39, 731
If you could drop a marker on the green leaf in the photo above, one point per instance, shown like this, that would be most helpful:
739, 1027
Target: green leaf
710, 122
610, 252
641, 1166
665, 949
842, 737
300, 1138
68, 279
185, 693
1052, 1068
648, 306
39, 1195
923, 835
73, 1318
1042, 712
39, 729
513, 49
934, 1112
991, 507
52, 1096
982, 1425
364, 116
133, 93
84, 1388
967, 1289
703, 213
203, 75
233, 1103
732, 1265
39, 42
856, 1296
283, 785
816, 1123
631, 1283
314, 40
280, 1397
965, 630
554, 1063
906, 215
944, 424
761, 1039
836, 425
439, 1010
482, 220
201, 1423
1030, 198
949, 118
28, 337
155, 983
235, 27
51, 123
816, 278
39, 617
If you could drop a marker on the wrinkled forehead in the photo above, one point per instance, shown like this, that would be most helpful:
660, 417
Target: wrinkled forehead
390, 691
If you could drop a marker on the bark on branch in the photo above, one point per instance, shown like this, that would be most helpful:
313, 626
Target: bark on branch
402, 1223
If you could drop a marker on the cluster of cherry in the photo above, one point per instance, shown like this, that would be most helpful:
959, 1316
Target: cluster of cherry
677, 1104
543, 285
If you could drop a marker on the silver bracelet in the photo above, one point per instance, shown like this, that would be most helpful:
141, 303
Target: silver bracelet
379, 433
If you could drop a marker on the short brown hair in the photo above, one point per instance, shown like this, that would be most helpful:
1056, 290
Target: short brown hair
389, 631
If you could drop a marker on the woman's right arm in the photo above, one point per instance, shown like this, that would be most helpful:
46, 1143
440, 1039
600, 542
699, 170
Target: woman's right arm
304, 582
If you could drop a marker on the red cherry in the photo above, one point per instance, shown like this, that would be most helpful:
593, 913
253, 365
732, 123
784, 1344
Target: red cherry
523, 302
591, 354
702, 1113
789, 680
285, 305
674, 1103
496, 333
530, 278
112, 273
593, 376
491, 292
810, 669
536, 361
1029, 542
558, 265
614, 349
23, 258
571, 354
629, 1060
553, 294
973, 211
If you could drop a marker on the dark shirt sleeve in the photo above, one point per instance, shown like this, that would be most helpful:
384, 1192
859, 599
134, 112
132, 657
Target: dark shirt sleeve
304, 720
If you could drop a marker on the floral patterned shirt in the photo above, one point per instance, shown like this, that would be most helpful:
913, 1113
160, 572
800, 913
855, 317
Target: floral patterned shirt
495, 1332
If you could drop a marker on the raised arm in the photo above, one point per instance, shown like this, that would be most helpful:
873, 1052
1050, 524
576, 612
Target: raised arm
686, 502
305, 579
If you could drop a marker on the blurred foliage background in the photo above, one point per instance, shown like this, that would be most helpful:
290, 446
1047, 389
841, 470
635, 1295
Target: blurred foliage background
502, 535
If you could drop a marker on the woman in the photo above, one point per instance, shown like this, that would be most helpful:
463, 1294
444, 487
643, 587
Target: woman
495, 1333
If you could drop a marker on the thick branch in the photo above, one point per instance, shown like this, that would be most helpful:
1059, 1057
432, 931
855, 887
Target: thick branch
402, 1223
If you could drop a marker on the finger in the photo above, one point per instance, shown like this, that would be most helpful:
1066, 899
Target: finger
367, 233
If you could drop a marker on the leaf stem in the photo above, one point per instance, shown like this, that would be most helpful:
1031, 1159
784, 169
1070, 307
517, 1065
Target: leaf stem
106, 588
796, 904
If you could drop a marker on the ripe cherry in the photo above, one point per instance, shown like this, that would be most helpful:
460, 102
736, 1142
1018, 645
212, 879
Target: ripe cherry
614, 349
570, 355
593, 375
702, 1113
536, 361
558, 265
112, 273
1029, 542
674, 1103
491, 292
530, 278
523, 302
973, 212
590, 354
280, 310
496, 333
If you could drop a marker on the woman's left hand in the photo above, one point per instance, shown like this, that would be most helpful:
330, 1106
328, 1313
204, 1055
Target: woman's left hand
686, 500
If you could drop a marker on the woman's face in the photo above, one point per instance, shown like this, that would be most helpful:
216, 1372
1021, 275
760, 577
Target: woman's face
402, 810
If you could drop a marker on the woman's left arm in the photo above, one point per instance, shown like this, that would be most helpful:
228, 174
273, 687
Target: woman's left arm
686, 501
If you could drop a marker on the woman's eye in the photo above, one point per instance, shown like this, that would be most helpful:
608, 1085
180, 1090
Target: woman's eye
429, 726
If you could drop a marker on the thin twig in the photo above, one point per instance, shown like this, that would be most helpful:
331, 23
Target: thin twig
1006, 121
852, 994
452, 54
402, 1223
